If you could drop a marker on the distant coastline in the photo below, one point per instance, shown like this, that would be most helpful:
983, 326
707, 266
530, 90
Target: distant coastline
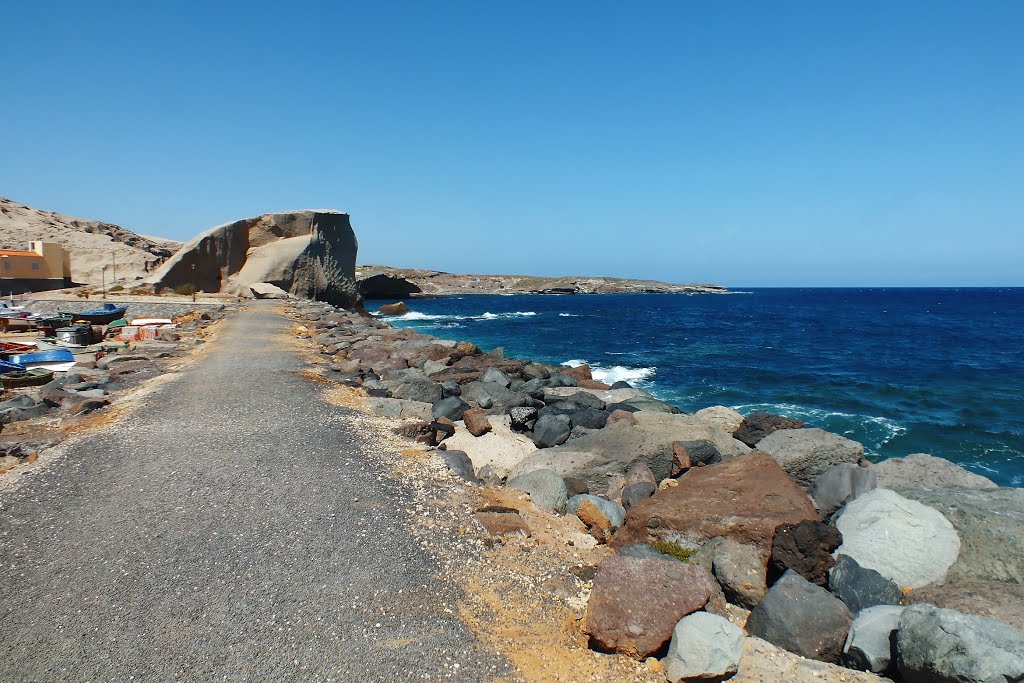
385, 282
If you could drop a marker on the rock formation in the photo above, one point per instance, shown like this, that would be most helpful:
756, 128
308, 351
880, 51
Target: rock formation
307, 253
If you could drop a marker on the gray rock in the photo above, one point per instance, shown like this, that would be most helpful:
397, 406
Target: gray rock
415, 388
704, 646
580, 398
869, 645
859, 587
803, 618
396, 407
459, 463
841, 484
523, 418
806, 454
993, 599
535, 371
557, 379
908, 543
634, 493
726, 419
590, 418
534, 388
452, 407
612, 510
496, 376
450, 388
740, 571
991, 528
939, 645
551, 430
927, 471
546, 488
493, 397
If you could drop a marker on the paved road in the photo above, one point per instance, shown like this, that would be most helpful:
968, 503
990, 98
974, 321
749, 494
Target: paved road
212, 535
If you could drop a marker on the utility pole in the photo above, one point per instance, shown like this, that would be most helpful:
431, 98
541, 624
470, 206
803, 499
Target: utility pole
193, 283
103, 280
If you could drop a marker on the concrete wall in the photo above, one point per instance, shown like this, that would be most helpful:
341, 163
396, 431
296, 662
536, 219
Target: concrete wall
45, 262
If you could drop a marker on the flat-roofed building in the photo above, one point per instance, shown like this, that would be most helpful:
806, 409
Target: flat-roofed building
46, 266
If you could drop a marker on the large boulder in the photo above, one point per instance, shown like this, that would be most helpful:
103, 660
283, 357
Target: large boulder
903, 540
868, 646
806, 548
762, 662
806, 454
309, 253
599, 456
757, 426
744, 499
803, 618
704, 646
414, 386
1000, 601
860, 587
937, 645
394, 309
920, 470
636, 603
452, 407
991, 528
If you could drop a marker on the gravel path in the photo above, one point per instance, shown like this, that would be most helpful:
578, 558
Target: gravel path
234, 528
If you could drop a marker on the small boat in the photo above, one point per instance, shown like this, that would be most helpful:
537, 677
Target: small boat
10, 348
61, 360
28, 378
100, 316
6, 366
9, 307
13, 323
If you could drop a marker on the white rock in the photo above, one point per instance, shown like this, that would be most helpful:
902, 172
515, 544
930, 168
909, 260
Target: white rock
909, 543
726, 419
704, 646
869, 644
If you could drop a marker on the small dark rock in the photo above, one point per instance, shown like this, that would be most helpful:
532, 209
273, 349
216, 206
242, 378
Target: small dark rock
551, 430
806, 548
758, 425
452, 407
860, 587
459, 463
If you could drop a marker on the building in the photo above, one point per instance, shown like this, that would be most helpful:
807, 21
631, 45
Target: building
46, 266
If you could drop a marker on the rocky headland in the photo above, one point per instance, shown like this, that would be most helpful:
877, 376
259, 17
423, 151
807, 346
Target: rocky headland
708, 545
384, 282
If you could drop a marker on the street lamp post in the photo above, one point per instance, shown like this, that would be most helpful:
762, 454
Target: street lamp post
193, 283
103, 280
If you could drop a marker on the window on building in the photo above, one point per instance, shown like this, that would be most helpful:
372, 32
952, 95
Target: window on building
7, 264
35, 266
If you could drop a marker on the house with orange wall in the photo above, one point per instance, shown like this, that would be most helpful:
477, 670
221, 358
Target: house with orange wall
47, 265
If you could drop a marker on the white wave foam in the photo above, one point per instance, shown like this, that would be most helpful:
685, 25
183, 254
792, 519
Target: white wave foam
568, 315
416, 315
616, 373
875, 431
495, 316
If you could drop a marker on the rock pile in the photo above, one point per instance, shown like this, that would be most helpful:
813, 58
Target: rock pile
707, 516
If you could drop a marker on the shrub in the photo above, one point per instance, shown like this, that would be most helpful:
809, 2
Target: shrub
116, 288
674, 549
184, 290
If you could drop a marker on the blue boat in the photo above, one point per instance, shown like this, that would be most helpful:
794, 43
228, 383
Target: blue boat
108, 313
61, 359
6, 366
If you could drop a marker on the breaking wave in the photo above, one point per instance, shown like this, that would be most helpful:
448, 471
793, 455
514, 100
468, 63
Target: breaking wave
616, 373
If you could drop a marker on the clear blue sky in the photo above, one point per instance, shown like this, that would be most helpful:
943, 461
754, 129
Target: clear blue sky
762, 143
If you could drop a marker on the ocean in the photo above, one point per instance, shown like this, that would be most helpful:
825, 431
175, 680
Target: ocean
937, 371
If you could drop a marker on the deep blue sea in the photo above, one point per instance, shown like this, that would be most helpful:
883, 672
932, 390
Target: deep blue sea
937, 371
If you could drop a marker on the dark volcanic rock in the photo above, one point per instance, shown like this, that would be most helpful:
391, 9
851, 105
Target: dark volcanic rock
459, 463
452, 407
860, 587
523, 418
803, 618
636, 603
806, 548
758, 425
551, 430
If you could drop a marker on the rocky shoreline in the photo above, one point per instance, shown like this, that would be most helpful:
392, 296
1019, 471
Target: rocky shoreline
385, 282
713, 537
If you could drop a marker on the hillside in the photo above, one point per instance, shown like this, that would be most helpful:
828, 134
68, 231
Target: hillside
92, 244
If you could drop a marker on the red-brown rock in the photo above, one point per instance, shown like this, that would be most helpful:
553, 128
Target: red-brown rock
619, 415
476, 421
580, 372
593, 384
637, 602
744, 498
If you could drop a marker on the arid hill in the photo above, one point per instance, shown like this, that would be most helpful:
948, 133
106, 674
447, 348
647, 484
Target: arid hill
92, 244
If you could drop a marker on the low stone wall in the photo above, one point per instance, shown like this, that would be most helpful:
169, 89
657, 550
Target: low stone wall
136, 309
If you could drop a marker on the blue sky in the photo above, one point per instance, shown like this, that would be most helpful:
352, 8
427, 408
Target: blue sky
757, 144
